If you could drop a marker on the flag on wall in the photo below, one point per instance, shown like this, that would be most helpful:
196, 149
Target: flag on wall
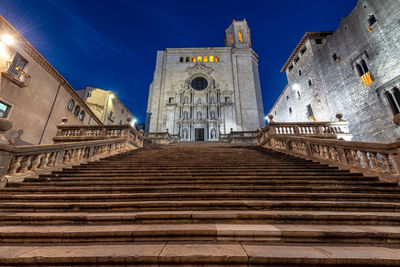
367, 79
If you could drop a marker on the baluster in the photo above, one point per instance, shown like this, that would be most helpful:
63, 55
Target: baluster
52, 159
26, 162
396, 163
375, 161
75, 154
365, 159
45, 160
386, 163
36, 162
16, 163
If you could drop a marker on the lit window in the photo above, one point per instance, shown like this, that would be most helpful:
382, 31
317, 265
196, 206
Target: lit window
4, 110
217, 59
17, 65
193, 59
199, 59
240, 36
71, 104
211, 58
205, 59
81, 115
231, 35
76, 110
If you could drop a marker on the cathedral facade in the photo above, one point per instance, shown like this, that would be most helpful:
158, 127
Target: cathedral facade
200, 93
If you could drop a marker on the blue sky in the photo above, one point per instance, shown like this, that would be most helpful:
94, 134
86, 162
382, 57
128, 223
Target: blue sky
112, 44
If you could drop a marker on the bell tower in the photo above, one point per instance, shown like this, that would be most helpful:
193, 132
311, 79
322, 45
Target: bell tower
237, 35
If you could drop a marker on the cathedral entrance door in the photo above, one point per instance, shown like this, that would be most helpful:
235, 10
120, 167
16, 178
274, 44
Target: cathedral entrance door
199, 134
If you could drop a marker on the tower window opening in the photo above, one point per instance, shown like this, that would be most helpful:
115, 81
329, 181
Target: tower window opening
334, 57
359, 70
310, 111
187, 59
193, 59
309, 83
217, 59
205, 59
318, 41
290, 67
181, 59
371, 20
298, 94
290, 110
287, 97
296, 59
300, 73
240, 36
303, 50
393, 105
199, 59
211, 58
364, 66
231, 39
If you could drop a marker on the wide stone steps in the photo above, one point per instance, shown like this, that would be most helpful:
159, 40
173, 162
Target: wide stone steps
200, 205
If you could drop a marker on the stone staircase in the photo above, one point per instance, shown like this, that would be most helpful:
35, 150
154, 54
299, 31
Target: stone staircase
200, 205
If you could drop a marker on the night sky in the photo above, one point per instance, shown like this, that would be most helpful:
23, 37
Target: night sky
112, 44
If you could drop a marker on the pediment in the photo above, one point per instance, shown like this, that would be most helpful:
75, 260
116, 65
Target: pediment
198, 67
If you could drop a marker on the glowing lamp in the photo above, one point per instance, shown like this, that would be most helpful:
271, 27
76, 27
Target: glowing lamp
296, 86
7, 39
266, 118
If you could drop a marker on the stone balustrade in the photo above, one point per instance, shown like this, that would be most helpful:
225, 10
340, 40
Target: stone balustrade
78, 133
334, 130
158, 138
243, 137
377, 159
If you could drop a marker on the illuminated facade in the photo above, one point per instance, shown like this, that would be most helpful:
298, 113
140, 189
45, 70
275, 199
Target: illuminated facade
200, 93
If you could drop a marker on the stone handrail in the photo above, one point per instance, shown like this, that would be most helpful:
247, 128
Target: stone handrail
76, 133
337, 130
158, 138
247, 137
377, 159
29, 161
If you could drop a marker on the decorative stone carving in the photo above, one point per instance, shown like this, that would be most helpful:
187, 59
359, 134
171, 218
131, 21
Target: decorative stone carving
198, 67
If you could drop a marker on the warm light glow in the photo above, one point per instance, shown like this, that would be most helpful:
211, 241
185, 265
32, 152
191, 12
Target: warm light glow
7, 39
266, 118
231, 39
296, 86
112, 96
217, 59
199, 59
211, 58
193, 59
3, 50
240, 36
205, 59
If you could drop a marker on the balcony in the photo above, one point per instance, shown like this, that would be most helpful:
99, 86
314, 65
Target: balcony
17, 76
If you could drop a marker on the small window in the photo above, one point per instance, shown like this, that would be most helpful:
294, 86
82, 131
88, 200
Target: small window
303, 50
171, 100
364, 66
296, 59
371, 20
318, 41
275, 112
334, 57
299, 72
205, 59
298, 94
310, 111
111, 114
187, 59
4, 110
120, 122
71, 104
122, 111
290, 110
393, 105
359, 70
227, 99
199, 59
89, 94
240, 35
193, 59
309, 83
81, 115
17, 65
211, 58
77, 109
290, 67
217, 59
181, 59
287, 97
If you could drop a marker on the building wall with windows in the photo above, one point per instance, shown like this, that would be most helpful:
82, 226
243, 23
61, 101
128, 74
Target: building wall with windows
354, 70
106, 105
33, 95
200, 93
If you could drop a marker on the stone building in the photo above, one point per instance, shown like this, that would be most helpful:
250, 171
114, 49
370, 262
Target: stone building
200, 93
354, 70
33, 95
106, 105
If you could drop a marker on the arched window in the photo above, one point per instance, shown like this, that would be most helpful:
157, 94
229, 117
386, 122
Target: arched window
81, 115
76, 110
181, 59
193, 59
199, 115
187, 59
212, 114
240, 36
231, 40
217, 59
71, 104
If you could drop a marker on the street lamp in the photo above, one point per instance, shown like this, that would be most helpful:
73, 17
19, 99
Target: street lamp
7, 39
296, 86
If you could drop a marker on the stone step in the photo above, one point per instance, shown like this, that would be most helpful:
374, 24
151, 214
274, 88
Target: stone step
211, 216
201, 188
202, 195
265, 233
199, 206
